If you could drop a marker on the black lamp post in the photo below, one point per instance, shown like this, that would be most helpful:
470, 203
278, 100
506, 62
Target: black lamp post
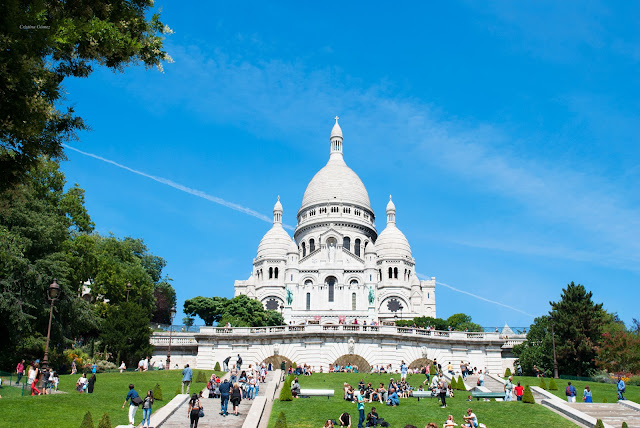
53, 292
553, 343
172, 313
401, 308
128, 289
281, 312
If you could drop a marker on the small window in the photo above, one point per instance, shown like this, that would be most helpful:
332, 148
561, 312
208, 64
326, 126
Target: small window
308, 282
275, 273
331, 282
395, 273
312, 245
308, 301
353, 282
270, 272
357, 248
346, 243
390, 272
353, 301
291, 277
304, 249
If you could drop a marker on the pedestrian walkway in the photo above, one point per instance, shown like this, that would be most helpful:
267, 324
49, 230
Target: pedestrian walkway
489, 383
212, 417
610, 413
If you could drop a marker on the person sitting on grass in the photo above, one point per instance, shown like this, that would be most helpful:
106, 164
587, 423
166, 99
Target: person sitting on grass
449, 422
345, 420
349, 394
328, 424
295, 388
471, 419
383, 392
393, 400
372, 418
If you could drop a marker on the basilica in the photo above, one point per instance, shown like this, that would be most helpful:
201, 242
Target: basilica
337, 269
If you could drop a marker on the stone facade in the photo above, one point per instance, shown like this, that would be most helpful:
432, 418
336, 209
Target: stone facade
337, 268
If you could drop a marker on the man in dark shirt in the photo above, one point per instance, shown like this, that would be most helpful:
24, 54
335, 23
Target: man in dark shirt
372, 418
226, 363
225, 387
132, 395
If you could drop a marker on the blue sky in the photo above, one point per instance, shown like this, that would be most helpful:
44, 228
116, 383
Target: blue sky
507, 133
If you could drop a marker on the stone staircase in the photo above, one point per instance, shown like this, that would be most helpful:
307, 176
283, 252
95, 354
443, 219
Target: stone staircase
489, 383
611, 413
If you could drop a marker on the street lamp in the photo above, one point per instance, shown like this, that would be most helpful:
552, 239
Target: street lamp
53, 292
128, 289
401, 308
172, 313
553, 343
281, 314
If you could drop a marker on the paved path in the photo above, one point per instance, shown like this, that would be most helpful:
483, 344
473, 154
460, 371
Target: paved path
212, 417
610, 413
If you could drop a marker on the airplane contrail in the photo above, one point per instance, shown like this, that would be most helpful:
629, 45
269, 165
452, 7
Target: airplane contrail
451, 287
183, 188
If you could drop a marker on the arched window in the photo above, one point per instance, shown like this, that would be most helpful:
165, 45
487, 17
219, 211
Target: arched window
331, 282
353, 282
308, 301
379, 274
304, 249
353, 301
390, 272
346, 243
312, 245
357, 248
270, 272
395, 273
308, 282
275, 273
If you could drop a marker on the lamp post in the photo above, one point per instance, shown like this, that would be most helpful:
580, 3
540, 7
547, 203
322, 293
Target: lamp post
553, 343
281, 312
53, 292
172, 313
401, 308
128, 289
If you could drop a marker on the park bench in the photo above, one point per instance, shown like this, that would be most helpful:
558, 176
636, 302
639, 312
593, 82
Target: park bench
317, 393
423, 394
479, 394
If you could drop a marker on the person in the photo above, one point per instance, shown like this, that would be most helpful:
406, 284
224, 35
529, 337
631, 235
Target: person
536, 371
20, 371
225, 388
74, 368
519, 392
442, 388
295, 388
345, 420
239, 362
236, 398
90, 383
450, 368
571, 393
393, 400
81, 383
360, 407
403, 371
586, 395
134, 401
621, 388
193, 412
94, 368
481, 379
328, 424
519, 369
46, 374
508, 389
372, 418
33, 374
225, 363
449, 422
471, 419
252, 387
123, 366
146, 408
56, 380
187, 375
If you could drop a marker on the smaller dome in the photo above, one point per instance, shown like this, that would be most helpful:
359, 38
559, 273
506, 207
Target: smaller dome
275, 243
278, 205
391, 206
415, 280
336, 131
293, 248
370, 248
392, 244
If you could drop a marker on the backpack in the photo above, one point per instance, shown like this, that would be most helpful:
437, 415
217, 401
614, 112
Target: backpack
567, 391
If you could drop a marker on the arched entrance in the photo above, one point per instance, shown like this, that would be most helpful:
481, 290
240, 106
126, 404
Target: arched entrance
276, 360
354, 360
420, 362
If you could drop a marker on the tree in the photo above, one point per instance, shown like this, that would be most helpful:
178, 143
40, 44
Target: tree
126, 328
105, 422
552, 385
537, 350
527, 396
241, 311
188, 322
281, 422
73, 37
165, 296
619, 352
285, 392
87, 421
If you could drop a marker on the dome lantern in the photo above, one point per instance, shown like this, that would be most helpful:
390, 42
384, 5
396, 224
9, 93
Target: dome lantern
391, 211
336, 139
277, 211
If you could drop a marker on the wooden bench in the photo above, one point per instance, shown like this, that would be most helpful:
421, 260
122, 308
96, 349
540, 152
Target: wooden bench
317, 393
423, 394
478, 395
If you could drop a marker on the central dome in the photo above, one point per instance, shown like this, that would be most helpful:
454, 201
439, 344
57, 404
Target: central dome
336, 182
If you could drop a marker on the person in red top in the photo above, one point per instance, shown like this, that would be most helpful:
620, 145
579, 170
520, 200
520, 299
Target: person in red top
519, 392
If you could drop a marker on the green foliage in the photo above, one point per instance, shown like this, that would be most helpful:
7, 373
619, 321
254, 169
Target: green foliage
216, 368
126, 328
507, 372
461, 385
281, 422
178, 391
295, 366
552, 385
241, 311
36, 62
165, 296
433, 371
87, 421
105, 422
458, 322
619, 352
599, 424
285, 392
157, 392
188, 322
542, 385
604, 400
527, 396
624, 425
201, 377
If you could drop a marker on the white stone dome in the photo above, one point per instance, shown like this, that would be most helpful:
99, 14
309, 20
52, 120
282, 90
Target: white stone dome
336, 182
275, 243
392, 243
370, 248
336, 131
293, 248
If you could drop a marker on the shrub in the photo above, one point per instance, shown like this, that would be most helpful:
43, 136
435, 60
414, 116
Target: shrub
599, 424
104, 366
295, 366
461, 385
157, 392
624, 425
217, 366
527, 396
285, 392
604, 400
433, 370
201, 378
507, 372
87, 422
105, 422
543, 385
178, 391
552, 385
281, 422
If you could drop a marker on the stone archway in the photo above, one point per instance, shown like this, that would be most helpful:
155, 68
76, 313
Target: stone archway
354, 360
420, 362
276, 360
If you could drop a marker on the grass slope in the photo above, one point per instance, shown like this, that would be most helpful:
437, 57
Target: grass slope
67, 410
598, 390
314, 411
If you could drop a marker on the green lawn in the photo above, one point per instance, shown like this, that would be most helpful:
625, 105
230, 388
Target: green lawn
313, 412
67, 410
598, 390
